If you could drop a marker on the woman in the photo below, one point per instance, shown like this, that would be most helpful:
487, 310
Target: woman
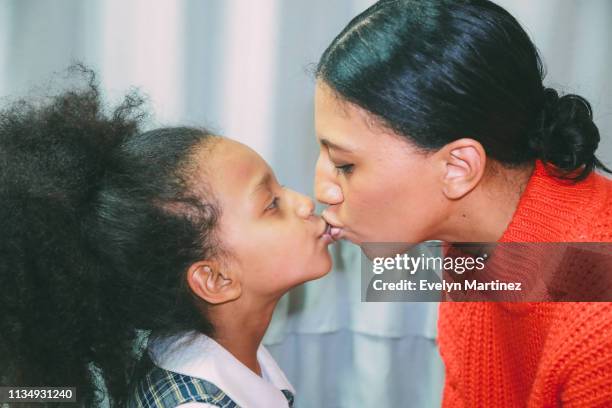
434, 124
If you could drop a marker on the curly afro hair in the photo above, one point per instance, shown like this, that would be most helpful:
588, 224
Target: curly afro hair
98, 224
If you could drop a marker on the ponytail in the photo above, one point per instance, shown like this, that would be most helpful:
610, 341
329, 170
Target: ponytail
54, 321
90, 254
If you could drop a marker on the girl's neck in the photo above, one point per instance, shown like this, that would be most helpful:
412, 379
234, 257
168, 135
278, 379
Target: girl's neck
240, 327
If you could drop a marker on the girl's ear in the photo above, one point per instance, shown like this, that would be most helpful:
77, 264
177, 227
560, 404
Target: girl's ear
210, 283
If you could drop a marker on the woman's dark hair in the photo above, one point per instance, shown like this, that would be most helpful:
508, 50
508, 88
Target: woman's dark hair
435, 71
98, 225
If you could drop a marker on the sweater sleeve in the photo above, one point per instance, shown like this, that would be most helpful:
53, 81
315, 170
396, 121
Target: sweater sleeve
589, 380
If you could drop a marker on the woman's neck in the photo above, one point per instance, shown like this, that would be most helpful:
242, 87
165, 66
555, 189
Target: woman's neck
240, 327
486, 212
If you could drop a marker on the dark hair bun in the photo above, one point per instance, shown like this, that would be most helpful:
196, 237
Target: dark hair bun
566, 135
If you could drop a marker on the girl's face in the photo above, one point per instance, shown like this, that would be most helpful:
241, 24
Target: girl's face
377, 186
274, 239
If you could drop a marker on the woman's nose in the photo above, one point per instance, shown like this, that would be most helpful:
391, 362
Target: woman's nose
328, 193
326, 190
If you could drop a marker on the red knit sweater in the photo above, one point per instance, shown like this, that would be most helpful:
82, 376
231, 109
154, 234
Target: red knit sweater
536, 354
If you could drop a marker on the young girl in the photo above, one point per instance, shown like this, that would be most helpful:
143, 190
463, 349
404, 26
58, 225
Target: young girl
175, 236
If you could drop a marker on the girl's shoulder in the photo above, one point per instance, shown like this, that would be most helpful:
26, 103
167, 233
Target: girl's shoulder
212, 373
162, 388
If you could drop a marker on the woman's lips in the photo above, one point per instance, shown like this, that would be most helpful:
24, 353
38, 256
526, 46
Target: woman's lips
335, 230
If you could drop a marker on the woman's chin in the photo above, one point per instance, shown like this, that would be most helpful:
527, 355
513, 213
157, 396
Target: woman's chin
374, 249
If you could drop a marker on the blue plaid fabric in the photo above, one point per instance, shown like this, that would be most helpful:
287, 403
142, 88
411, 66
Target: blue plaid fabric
166, 389
289, 395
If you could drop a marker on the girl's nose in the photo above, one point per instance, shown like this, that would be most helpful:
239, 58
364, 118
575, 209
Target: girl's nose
305, 206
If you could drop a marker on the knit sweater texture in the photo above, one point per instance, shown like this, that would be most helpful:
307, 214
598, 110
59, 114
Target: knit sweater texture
536, 354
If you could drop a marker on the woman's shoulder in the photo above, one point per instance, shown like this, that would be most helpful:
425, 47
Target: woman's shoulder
580, 352
601, 224
603, 184
578, 325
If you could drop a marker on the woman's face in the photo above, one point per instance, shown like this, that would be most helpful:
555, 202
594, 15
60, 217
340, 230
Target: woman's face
274, 239
377, 186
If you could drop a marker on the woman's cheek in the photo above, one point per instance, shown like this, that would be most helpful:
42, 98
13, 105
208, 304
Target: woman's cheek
367, 201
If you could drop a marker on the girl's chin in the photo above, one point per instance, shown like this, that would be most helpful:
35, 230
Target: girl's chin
320, 265
326, 239
323, 267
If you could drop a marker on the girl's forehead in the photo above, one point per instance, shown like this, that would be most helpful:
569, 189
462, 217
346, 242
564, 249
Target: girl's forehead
238, 159
233, 169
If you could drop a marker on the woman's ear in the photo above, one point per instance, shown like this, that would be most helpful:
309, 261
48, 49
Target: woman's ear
212, 284
464, 164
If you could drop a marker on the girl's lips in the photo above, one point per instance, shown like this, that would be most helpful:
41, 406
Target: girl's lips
327, 234
328, 228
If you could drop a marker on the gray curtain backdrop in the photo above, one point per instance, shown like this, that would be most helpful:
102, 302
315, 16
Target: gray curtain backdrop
244, 69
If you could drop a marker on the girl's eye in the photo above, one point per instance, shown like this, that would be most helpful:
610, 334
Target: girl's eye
273, 205
345, 169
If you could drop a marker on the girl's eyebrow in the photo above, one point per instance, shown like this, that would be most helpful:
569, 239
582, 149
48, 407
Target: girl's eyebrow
263, 182
334, 146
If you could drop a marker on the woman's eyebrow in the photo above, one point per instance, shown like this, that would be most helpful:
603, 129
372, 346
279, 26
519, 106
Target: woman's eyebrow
334, 146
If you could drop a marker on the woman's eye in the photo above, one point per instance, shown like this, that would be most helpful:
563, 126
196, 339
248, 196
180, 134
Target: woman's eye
345, 169
273, 205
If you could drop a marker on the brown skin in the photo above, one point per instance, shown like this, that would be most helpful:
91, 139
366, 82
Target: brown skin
395, 192
273, 240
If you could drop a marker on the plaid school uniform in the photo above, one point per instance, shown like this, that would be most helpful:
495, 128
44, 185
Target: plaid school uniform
166, 389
